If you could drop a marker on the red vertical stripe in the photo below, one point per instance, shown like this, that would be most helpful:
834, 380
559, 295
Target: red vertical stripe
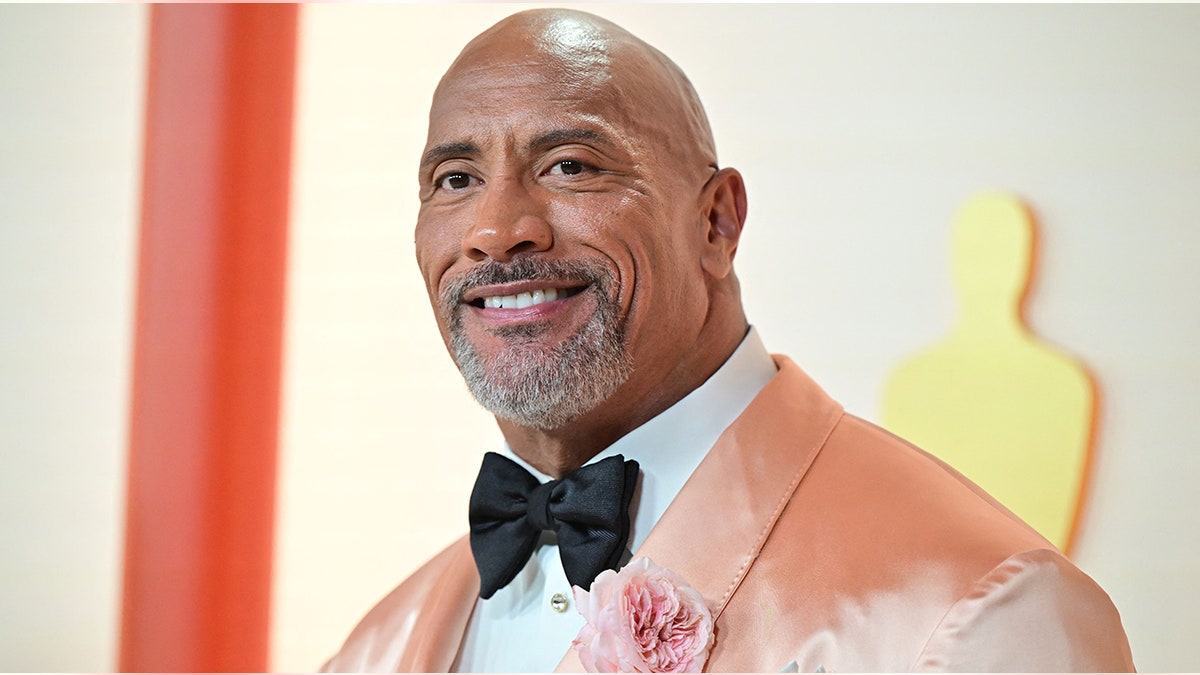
205, 402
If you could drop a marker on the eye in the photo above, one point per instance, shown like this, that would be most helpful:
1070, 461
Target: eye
567, 167
456, 180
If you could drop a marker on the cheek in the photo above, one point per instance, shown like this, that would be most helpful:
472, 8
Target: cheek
610, 228
437, 248
662, 243
669, 267
652, 247
434, 264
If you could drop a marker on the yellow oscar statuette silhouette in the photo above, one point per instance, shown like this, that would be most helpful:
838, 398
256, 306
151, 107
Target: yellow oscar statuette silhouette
1011, 413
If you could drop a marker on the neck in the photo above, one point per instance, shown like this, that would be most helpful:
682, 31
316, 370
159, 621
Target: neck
649, 391
557, 452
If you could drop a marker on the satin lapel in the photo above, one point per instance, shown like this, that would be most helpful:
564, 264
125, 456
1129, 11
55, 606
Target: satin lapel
438, 632
714, 529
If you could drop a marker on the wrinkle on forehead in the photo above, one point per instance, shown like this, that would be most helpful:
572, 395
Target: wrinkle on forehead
571, 52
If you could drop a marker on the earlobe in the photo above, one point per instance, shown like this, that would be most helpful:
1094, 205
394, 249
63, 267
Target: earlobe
725, 214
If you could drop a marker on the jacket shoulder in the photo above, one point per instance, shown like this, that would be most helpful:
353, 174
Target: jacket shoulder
887, 559
923, 499
1035, 611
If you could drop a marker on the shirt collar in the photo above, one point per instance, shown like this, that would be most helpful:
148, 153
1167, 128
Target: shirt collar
669, 447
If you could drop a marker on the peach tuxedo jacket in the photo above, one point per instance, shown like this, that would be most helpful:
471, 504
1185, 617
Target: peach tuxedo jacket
818, 538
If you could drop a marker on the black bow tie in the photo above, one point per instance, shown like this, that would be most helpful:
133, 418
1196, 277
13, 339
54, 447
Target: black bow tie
588, 510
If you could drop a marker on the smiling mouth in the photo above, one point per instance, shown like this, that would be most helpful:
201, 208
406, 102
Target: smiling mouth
526, 299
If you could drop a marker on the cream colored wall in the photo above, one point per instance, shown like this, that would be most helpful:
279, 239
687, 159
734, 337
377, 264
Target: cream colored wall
71, 81
859, 129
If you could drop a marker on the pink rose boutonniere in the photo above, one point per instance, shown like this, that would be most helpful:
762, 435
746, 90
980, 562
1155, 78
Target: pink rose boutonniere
643, 619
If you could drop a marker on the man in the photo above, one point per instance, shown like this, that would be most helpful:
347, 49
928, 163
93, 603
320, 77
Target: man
577, 237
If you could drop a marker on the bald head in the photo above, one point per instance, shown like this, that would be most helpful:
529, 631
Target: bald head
575, 52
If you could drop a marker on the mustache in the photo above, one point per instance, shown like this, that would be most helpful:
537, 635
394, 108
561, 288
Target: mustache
524, 269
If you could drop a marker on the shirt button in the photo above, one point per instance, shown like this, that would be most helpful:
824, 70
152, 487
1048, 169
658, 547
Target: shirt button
558, 602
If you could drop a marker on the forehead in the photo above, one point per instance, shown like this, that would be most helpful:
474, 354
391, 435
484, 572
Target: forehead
518, 85
560, 50
531, 91
563, 73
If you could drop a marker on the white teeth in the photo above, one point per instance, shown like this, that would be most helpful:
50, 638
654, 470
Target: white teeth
521, 300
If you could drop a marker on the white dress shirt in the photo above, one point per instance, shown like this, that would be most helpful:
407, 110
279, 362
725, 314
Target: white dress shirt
528, 625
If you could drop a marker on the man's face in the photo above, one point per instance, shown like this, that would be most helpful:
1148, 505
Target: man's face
560, 230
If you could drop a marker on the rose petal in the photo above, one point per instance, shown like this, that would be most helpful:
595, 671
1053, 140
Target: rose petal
643, 618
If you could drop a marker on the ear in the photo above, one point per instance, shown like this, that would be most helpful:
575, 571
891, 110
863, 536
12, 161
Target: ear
724, 202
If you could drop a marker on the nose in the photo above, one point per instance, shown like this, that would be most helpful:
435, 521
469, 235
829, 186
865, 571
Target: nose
509, 221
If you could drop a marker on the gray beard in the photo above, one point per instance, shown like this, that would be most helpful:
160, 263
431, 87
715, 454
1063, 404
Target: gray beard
531, 384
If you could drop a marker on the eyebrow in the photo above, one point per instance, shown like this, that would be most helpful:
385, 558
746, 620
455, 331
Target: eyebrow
444, 151
562, 136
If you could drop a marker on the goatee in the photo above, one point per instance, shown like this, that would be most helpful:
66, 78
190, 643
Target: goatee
532, 384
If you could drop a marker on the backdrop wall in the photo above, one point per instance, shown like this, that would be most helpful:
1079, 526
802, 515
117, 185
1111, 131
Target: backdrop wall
70, 127
859, 129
